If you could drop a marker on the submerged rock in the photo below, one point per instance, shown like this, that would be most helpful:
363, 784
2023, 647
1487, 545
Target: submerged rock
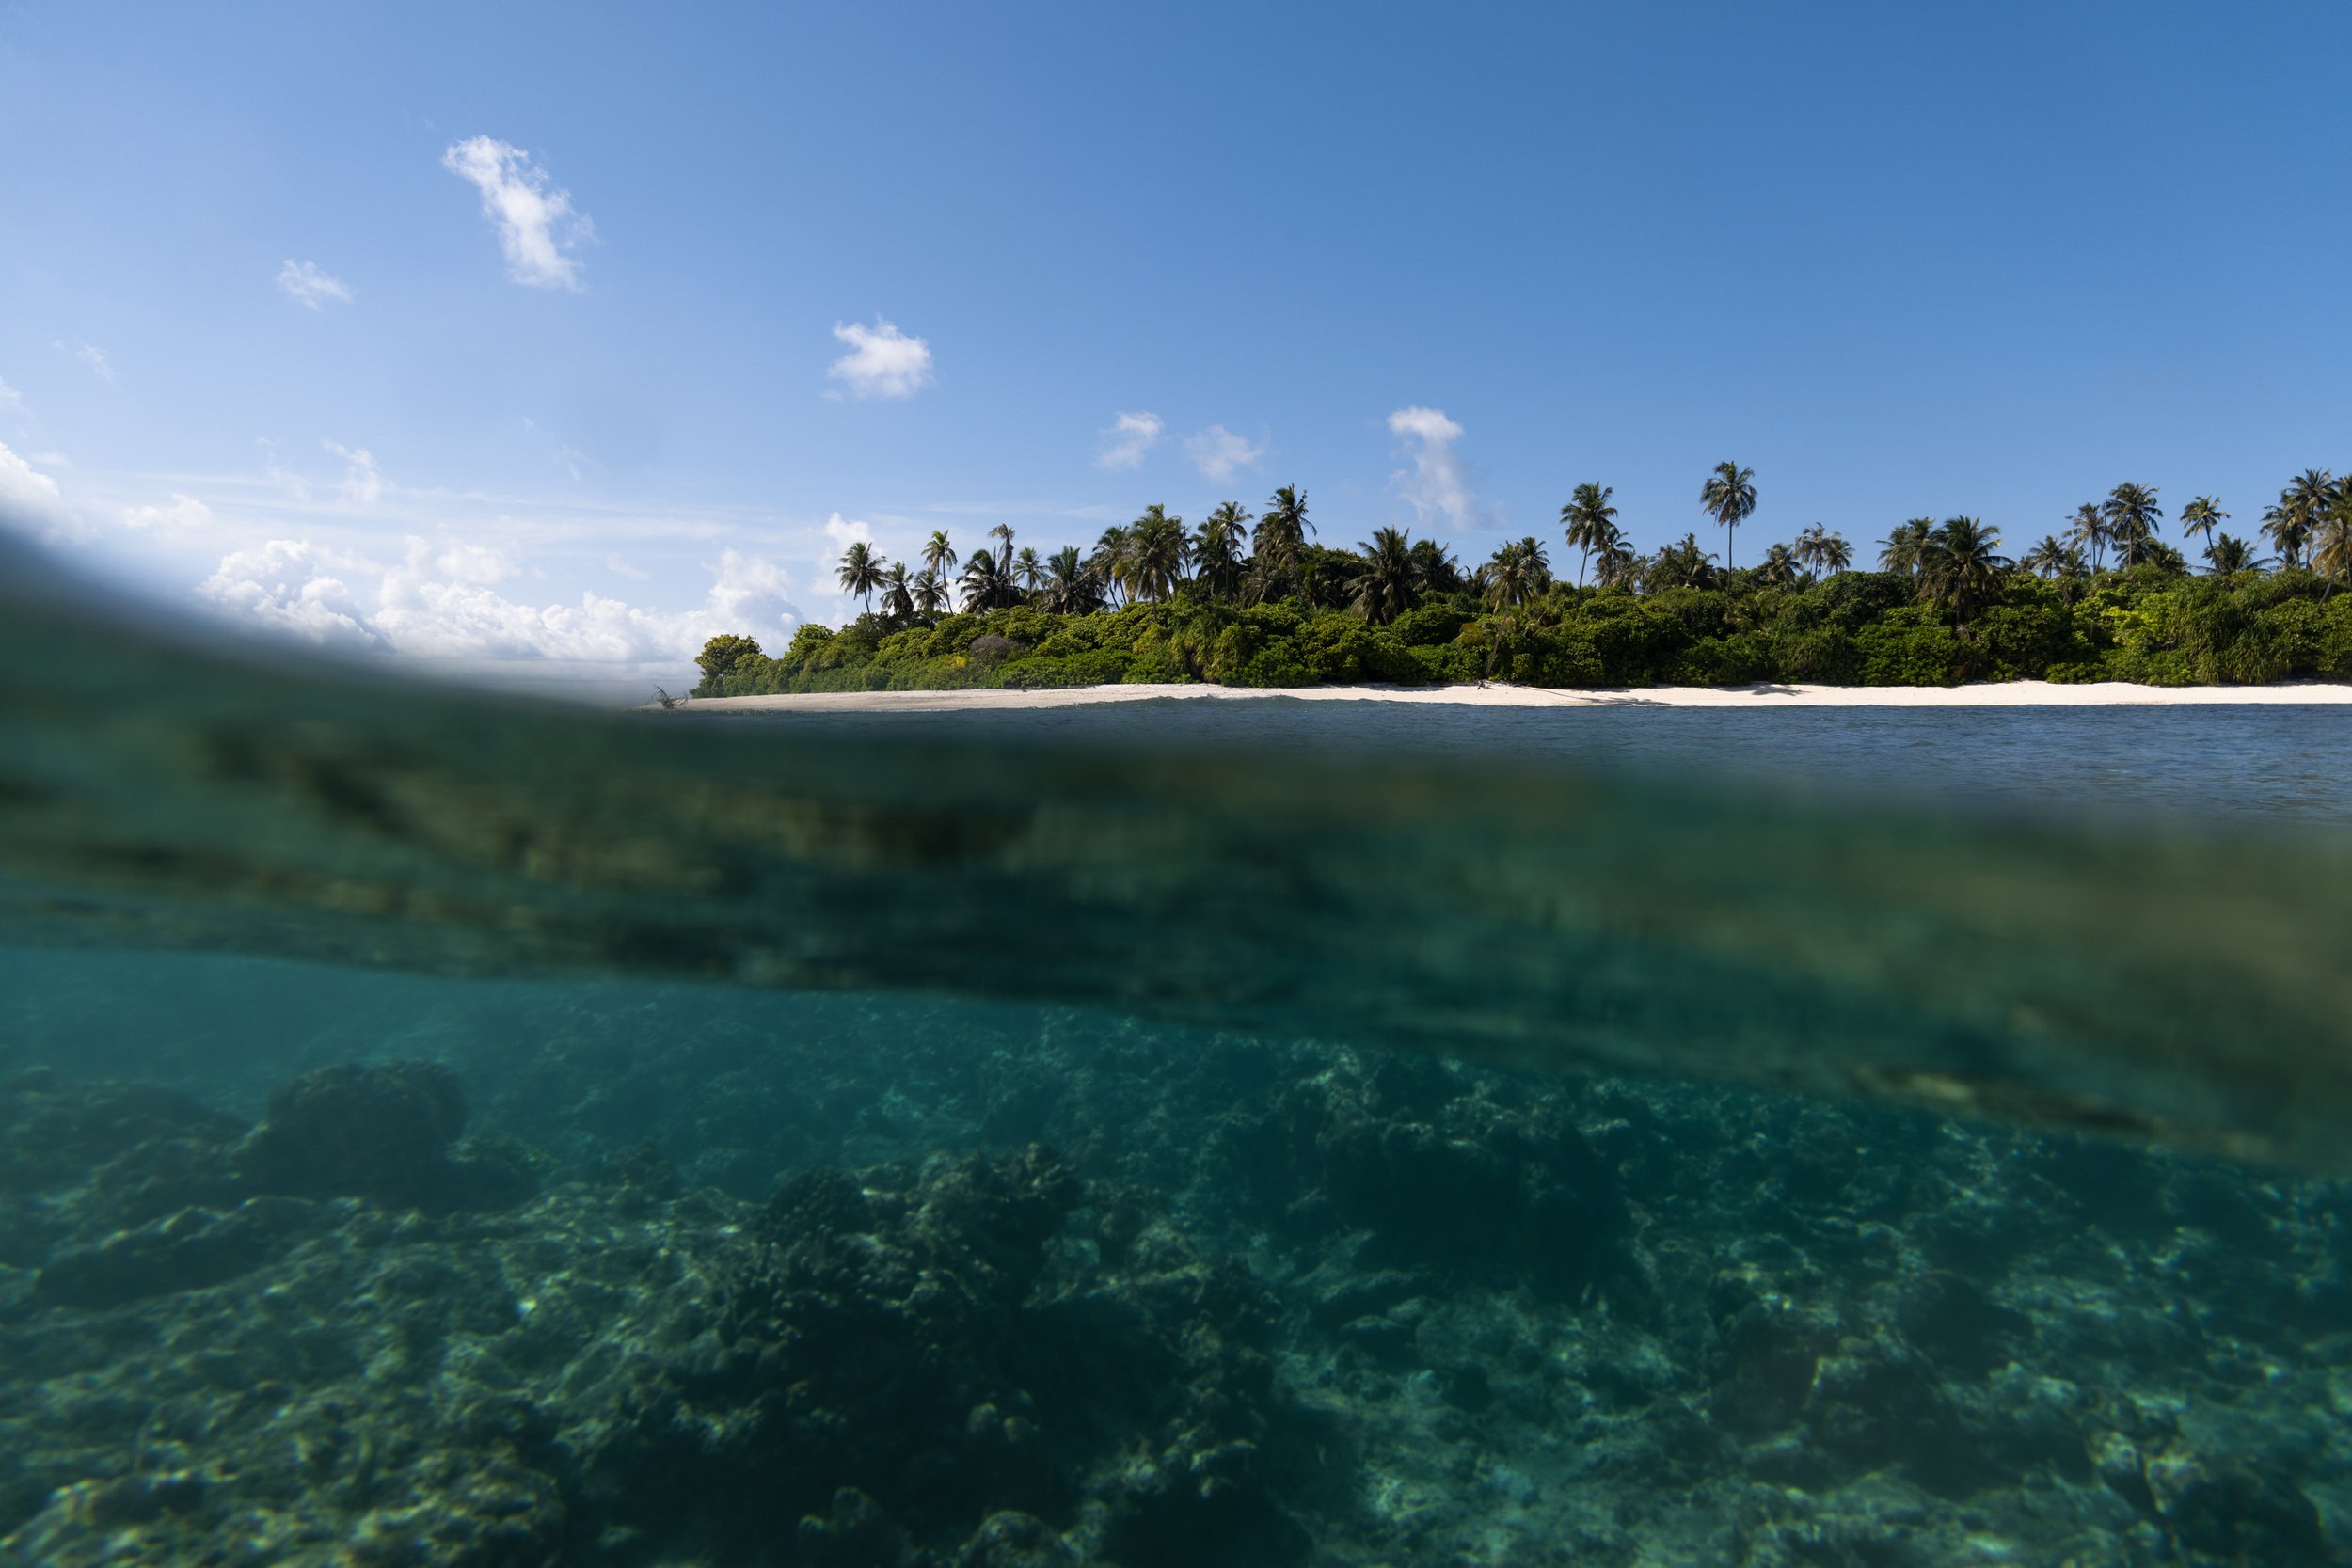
382, 1133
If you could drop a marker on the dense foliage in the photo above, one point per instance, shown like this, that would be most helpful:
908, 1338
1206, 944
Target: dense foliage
1156, 603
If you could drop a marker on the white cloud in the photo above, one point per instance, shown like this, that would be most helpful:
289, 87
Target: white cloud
1216, 451
1127, 439
363, 485
844, 534
305, 283
10, 400
1437, 482
95, 357
442, 602
618, 568
538, 228
30, 502
185, 514
883, 361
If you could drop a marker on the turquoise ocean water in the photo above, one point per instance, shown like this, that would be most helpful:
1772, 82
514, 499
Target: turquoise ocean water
445, 1131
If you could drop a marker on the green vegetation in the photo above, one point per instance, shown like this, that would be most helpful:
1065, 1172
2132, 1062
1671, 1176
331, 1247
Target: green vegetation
1267, 605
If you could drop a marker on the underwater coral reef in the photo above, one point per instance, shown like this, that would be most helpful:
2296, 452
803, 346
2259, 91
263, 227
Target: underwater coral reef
1047, 1289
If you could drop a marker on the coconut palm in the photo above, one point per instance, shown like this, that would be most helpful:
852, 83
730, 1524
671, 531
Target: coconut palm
1591, 523
1903, 547
1108, 564
1389, 582
1070, 587
1682, 564
1960, 569
896, 599
2228, 555
1515, 573
1028, 570
860, 572
2332, 543
1157, 548
2053, 558
1002, 533
929, 591
1216, 546
1730, 497
939, 555
1616, 566
1779, 567
1279, 542
2290, 523
2201, 517
1821, 550
986, 585
2132, 514
2088, 530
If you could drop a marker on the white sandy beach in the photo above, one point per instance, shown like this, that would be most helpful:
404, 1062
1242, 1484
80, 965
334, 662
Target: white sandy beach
1991, 694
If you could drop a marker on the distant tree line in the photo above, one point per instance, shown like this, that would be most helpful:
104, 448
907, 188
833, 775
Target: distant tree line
1254, 599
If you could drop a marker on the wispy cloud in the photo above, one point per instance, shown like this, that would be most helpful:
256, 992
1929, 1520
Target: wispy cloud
95, 357
10, 400
364, 483
883, 361
538, 226
307, 284
1126, 440
1218, 453
1437, 482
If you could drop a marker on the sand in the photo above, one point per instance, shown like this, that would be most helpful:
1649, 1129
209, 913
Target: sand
1499, 694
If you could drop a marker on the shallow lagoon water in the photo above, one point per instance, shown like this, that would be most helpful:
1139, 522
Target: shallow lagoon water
1075, 1219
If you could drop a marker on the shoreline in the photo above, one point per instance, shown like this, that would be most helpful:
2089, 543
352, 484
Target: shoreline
1497, 694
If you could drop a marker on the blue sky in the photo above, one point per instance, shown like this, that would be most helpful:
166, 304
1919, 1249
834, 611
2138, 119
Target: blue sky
269, 349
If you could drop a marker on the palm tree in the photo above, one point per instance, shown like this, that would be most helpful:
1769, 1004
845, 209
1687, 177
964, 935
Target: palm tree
1960, 569
1280, 544
2228, 555
2053, 558
1108, 564
1216, 546
1028, 570
929, 592
986, 586
2132, 513
1779, 568
1729, 496
1822, 551
2199, 517
860, 572
2331, 554
939, 555
1682, 564
897, 600
2088, 530
1903, 547
1515, 573
1591, 523
2290, 523
1617, 566
1002, 533
1155, 553
1389, 582
1070, 587
1438, 572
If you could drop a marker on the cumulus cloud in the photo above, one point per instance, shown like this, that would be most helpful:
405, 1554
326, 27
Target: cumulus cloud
185, 514
538, 226
307, 284
1127, 439
442, 601
29, 499
362, 483
845, 533
1437, 482
1216, 451
883, 361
